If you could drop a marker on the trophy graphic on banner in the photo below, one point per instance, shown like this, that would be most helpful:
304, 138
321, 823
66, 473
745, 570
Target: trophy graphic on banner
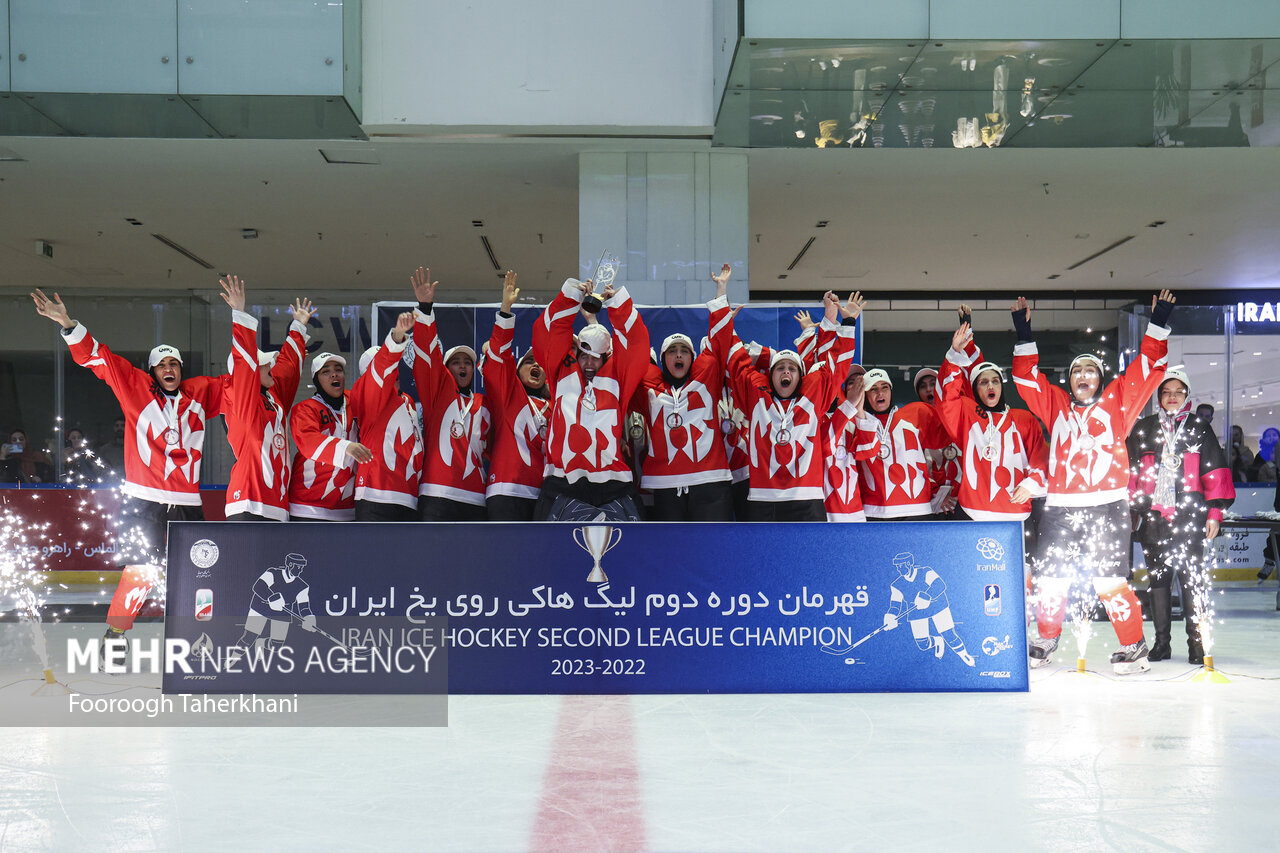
597, 540
606, 270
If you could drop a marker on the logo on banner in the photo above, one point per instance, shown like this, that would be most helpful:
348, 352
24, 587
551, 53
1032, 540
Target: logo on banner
990, 549
204, 605
204, 553
991, 599
991, 646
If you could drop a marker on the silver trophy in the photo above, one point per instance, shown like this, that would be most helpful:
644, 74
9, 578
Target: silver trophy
597, 540
606, 271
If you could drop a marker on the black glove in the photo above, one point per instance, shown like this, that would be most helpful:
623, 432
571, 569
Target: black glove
1160, 316
848, 321
425, 307
1022, 325
966, 318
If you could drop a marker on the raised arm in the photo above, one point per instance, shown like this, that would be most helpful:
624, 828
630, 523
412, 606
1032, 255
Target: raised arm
499, 369
379, 385
429, 372
87, 351
244, 400
631, 340
287, 371
1036, 391
1142, 376
553, 332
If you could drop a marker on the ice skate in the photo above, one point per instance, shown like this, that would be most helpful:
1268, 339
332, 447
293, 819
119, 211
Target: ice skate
1039, 651
112, 639
1130, 659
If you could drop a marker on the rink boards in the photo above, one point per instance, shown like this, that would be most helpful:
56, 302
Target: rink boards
674, 608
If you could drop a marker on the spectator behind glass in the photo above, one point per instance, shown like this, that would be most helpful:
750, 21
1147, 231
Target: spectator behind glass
1263, 469
1204, 411
23, 462
112, 453
1241, 456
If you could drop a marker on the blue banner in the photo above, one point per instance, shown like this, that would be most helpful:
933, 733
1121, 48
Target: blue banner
773, 326
596, 608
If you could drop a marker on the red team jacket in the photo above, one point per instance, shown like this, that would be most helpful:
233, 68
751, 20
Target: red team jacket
259, 481
898, 482
455, 427
999, 451
846, 441
517, 455
322, 480
388, 426
1088, 460
164, 436
685, 441
584, 440
785, 445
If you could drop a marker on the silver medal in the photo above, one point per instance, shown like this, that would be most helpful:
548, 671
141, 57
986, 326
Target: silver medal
674, 420
990, 452
841, 454
1172, 461
1087, 443
278, 442
726, 426
885, 451
171, 436
950, 452
589, 404
783, 436
457, 430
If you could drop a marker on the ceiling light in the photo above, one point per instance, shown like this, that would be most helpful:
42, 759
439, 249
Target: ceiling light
799, 133
835, 62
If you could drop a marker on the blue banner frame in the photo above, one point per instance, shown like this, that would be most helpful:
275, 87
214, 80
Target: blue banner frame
674, 608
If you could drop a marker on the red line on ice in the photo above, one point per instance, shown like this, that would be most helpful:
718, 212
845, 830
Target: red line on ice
591, 792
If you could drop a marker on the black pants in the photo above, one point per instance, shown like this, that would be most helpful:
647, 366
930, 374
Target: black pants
741, 507
787, 511
707, 502
561, 500
375, 511
1085, 541
510, 508
248, 516
144, 528
443, 509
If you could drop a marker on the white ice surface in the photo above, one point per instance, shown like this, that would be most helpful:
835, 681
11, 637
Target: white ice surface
1080, 763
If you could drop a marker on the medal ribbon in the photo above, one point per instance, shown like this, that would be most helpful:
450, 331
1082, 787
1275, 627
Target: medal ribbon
1166, 477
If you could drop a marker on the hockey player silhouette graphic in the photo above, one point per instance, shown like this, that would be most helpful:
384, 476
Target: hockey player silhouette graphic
919, 592
280, 595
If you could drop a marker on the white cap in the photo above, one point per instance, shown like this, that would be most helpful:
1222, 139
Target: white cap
875, 376
1178, 372
324, 358
463, 349
162, 352
786, 355
982, 367
596, 340
921, 374
1088, 358
366, 358
671, 340
263, 358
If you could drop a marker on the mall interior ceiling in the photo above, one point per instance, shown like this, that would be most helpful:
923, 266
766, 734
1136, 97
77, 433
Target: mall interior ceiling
915, 169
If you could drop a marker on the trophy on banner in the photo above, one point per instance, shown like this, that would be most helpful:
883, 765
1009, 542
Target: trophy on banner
606, 270
597, 540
